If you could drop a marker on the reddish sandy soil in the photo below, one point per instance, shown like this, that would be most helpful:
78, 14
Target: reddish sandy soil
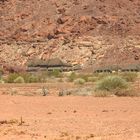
33, 89
69, 118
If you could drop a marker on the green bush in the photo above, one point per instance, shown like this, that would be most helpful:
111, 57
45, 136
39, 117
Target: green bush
110, 83
43, 76
19, 80
19, 77
11, 77
79, 81
103, 75
25, 76
129, 76
55, 73
33, 79
72, 77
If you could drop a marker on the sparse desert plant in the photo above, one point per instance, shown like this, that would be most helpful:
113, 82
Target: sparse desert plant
28, 78
102, 94
79, 81
83, 91
83, 76
43, 76
60, 80
55, 73
19, 80
11, 77
103, 75
111, 82
1, 72
92, 79
126, 92
2, 81
72, 77
13, 121
13, 91
45, 91
129, 76
25, 76
33, 79
65, 92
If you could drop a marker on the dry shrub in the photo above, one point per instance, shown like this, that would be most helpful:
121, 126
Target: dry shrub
102, 94
19, 80
55, 73
129, 76
22, 78
110, 83
2, 82
11, 77
33, 79
92, 79
72, 77
79, 81
126, 92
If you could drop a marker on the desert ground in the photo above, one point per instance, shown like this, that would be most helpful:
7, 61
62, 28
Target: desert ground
67, 118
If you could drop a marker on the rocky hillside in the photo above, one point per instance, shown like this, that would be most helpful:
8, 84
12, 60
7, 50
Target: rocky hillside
87, 32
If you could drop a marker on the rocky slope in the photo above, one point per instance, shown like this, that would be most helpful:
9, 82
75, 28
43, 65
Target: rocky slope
87, 32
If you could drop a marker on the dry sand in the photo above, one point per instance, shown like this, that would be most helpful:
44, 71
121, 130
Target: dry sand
69, 118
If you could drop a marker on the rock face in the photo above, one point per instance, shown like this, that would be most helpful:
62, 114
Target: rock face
86, 32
